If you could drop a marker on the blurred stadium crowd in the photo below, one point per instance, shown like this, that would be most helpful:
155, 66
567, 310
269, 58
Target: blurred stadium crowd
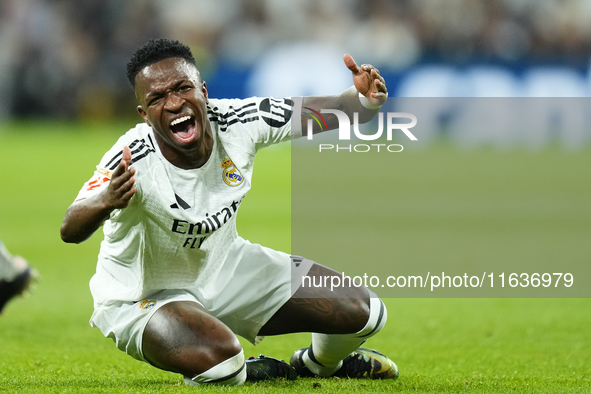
66, 58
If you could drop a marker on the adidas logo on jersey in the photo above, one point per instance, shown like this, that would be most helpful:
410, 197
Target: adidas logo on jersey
180, 203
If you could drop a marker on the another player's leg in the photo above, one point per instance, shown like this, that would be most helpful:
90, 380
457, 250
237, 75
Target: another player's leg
182, 337
16, 276
342, 320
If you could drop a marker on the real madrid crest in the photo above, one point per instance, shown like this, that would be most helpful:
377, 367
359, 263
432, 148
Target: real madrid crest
146, 305
231, 174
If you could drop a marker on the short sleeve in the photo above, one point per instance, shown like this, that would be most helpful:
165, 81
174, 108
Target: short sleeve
261, 121
280, 121
94, 185
110, 161
104, 171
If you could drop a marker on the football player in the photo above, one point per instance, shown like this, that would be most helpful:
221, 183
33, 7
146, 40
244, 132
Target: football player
175, 284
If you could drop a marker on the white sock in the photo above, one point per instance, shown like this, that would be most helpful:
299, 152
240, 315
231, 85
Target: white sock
10, 267
327, 351
231, 372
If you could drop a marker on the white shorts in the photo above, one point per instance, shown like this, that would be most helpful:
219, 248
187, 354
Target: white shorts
253, 285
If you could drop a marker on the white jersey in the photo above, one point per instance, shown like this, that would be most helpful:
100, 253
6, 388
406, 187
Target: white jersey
180, 224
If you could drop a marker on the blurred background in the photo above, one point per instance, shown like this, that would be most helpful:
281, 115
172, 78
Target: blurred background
66, 59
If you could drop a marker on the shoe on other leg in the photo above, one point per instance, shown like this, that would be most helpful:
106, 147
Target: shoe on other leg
17, 286
265, 368
297, 362
363, 363
366, 363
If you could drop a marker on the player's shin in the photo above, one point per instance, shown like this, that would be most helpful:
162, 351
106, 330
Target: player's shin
231, 372
325, 355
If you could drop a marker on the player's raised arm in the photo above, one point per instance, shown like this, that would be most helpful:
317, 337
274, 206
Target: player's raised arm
85, 216
369, 88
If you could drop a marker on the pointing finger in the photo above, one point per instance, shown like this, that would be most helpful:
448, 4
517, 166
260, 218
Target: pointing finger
350, 63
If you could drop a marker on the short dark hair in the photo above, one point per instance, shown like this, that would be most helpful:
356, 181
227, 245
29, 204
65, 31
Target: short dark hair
154, 51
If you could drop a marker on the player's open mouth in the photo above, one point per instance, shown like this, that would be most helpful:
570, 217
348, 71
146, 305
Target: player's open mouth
184, 129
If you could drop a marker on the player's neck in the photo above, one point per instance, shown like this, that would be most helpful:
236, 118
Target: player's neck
192, 157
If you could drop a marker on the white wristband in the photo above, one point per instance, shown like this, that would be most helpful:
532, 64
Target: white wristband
368, 104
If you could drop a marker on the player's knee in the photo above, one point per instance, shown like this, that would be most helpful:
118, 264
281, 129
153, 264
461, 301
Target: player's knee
230, 372
217, 352
226, 348
377, 318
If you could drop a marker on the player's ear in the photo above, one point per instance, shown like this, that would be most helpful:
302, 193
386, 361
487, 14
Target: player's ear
204, 89
143, 114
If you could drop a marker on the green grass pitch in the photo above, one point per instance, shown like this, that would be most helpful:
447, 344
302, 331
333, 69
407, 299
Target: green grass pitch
440, 345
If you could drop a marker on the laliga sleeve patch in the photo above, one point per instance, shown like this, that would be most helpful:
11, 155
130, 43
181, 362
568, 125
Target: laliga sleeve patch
100, 177
276, 112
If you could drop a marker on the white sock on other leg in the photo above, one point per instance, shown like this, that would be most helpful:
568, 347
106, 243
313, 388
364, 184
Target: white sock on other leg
325, 355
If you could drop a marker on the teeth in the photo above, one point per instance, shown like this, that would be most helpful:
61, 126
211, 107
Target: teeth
180, 120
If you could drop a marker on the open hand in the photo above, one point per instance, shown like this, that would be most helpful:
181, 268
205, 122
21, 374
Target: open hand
368, 81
